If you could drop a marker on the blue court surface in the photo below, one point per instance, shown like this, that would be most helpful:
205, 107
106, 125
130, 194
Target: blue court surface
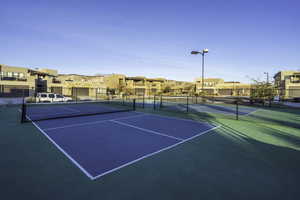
101, 144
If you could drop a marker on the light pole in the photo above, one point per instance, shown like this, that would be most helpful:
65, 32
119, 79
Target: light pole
203, 52
267, 73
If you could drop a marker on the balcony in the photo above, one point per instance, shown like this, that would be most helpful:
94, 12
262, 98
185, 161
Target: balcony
139, 84
56, 81
7, 78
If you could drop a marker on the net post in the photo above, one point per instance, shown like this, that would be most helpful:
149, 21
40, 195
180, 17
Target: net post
133, 104
23, 113
154, 103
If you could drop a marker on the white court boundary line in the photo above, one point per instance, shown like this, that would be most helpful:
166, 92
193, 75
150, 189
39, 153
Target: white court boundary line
252, 112
228, 113
176, 118
90, 123
128, 163
154, 153
147, 130
63, 151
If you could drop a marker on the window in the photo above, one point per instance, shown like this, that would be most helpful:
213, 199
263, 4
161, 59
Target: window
9, 74
15, 74
59, 96
43, 95
51, 95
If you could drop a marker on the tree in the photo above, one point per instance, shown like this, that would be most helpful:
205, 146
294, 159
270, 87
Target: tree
262, 91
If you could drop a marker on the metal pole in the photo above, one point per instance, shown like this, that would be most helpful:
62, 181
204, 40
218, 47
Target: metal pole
160, 103
154, 102
144, 100
187, 103
133, 104
202, 73
237, 110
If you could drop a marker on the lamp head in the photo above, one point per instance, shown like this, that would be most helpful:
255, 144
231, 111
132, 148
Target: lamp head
195, 52
205, 51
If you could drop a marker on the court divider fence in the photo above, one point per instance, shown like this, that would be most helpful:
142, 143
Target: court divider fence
156, 100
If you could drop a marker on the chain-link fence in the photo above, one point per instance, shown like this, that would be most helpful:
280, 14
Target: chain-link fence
164, 99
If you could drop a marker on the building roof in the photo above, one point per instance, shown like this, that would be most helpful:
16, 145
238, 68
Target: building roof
36, 72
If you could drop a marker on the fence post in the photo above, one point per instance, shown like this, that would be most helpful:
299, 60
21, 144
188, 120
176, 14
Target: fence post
133, 104
160, 103
144, 100
270, 97
187, 103
237, 109
23, 95
154, 103
75, 92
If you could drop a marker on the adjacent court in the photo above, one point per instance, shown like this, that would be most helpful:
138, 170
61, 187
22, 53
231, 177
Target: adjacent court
101, 144
222, 109
225, 109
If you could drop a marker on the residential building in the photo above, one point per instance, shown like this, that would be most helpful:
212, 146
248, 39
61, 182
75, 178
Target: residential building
287, 83
219, 87
112, 81
20, 81
81, 86
209, 85
173, 87
140, 85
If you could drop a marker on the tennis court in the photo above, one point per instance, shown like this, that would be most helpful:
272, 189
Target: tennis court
101, 144
222, 109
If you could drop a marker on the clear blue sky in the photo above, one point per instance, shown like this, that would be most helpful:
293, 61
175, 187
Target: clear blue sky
153, 38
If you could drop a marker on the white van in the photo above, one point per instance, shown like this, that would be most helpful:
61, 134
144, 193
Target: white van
51, 97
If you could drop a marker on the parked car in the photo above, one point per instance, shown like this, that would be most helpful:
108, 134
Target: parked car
51, 97
276, 99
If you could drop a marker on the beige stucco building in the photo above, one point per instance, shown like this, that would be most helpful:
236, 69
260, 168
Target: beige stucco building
287, 83
19, 81
141, 85
219, 87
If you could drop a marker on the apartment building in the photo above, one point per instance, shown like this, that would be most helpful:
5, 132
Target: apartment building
112, 81
219, 87
140, 85
19, 81
209, 85
173, 87
81, 86
287, 83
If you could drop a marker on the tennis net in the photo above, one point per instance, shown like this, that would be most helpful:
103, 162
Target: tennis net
57, 110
